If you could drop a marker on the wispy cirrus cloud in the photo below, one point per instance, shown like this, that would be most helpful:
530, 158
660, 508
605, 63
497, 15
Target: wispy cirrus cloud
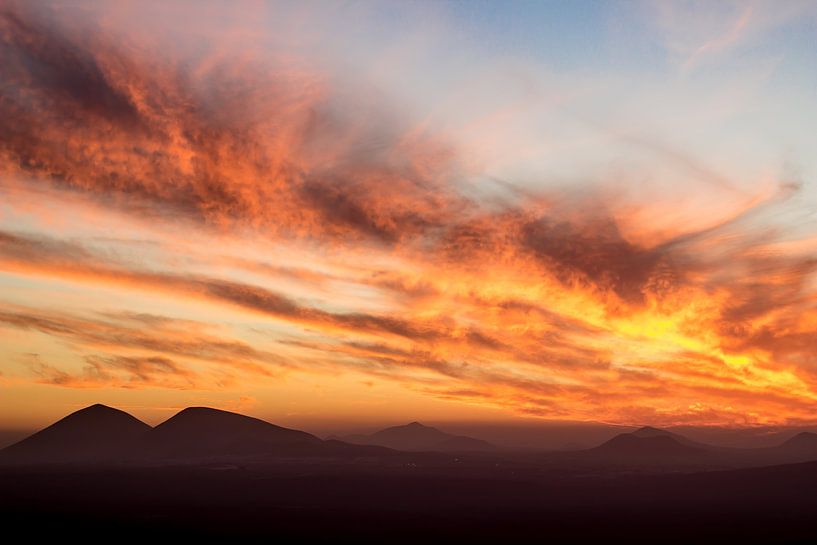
119, 372
699, 33
140, 350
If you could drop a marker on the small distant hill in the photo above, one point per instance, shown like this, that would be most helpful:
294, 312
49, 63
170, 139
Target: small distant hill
91, 434
653, 446
417, 437
803, 440
648, 445
649, 432
628, 444
801, 447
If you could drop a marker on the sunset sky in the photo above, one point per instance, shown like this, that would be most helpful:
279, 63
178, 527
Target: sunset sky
382, 212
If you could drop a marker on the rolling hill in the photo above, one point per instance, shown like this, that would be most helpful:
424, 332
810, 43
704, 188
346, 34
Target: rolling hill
91, 434
648, 446
202, 432
417, 437
100, 434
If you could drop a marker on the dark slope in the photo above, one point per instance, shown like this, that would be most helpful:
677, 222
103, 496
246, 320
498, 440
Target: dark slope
91, 434
459, 443
647, 446
417, 437
100, 434
202, 432
651, 446
804, 442
628, 444
800, 448
649, 432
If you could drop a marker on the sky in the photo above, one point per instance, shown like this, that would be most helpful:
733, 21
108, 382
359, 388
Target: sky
367, 212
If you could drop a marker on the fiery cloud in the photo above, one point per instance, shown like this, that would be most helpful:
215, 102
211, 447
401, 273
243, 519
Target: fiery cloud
541, 302
90, 114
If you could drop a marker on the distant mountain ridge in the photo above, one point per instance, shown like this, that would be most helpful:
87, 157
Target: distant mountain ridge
648, 445
801, 447
654, 446
418, 437
101, 434
633, 445
649, 432
805, 439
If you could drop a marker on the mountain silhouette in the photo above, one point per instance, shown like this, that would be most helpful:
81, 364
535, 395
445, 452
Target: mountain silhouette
655, 446
649, 431
799, 448
417, 437
91, 434
804, 440
202, 432
647, 445
102, 434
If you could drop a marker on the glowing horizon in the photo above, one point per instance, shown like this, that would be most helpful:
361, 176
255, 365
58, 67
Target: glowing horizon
379, 211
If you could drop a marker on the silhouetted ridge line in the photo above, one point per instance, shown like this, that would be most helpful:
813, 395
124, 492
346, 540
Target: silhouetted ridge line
203, 432
418, 437
100, 434
92, 434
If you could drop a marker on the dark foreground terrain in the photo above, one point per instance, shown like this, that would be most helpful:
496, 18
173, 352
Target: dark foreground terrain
99, 474
361, 502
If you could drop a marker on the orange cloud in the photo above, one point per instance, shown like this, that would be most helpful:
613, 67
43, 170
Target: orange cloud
89, 114
138, 350
541, 304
